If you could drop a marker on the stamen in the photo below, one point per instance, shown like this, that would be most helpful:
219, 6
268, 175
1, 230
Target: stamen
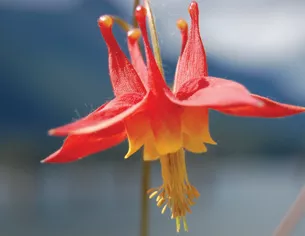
123, 76
149, 191
155, 78
176, 193
153, 194
164, 209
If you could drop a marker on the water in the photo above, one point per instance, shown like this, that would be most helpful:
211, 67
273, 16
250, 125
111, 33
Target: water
239, 197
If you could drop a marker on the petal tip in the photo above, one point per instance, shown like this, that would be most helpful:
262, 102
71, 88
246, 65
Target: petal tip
51, 132
105, 21
128, 154
47, 160
134, 34
212, 142
53, 158
140, 13
182, 25
193, 8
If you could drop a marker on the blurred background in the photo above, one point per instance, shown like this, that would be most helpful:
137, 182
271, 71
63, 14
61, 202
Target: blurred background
53, 69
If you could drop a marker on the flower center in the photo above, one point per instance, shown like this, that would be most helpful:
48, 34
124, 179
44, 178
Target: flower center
176, 193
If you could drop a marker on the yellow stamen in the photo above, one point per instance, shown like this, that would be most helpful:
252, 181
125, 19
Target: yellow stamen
153, 194
164, 209
176, 193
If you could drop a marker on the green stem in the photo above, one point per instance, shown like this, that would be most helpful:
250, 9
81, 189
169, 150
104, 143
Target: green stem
144, 199
154, 36
146, 169
144, 221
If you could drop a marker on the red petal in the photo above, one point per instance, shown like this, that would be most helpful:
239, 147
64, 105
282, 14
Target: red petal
123, 76
61, 132
76, 147
192, 63
136, 55
214, 93
271, 109
97, 125
190, 87
105, 118
156, 83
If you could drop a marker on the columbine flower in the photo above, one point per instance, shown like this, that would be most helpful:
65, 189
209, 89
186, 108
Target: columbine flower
166, 122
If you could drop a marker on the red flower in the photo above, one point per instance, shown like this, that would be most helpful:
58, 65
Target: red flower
164, 121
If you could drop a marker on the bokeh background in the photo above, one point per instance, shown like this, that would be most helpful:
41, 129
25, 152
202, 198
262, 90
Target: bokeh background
53, 69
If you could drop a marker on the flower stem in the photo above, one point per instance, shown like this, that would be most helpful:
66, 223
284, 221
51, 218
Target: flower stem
144, 230
144, 224
292, 217
154, 36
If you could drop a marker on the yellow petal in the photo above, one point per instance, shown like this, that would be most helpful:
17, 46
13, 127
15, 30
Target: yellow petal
193, 144
195, 123
137, 129
150, 152
166, 128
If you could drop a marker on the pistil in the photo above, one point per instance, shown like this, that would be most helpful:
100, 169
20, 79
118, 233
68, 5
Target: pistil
176, 193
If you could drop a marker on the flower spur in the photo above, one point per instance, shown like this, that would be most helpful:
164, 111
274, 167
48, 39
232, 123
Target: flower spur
165, 122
